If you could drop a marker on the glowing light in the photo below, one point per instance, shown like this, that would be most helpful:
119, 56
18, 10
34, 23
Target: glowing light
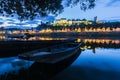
2, 32
99, 41
78, 40
2, 37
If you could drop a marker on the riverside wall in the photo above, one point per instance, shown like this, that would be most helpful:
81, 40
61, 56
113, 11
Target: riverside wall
80, 34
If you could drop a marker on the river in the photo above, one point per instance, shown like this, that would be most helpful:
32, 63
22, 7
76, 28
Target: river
99, 60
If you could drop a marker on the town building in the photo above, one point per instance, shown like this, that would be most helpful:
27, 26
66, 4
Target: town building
69, 22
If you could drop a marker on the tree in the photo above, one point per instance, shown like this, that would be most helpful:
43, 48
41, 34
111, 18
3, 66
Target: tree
29, 9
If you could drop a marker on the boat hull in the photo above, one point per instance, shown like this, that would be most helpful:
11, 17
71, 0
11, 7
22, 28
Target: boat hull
49, 71
50, 57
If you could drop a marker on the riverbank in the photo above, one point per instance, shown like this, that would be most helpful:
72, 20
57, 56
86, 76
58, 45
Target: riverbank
78, 34
66, 34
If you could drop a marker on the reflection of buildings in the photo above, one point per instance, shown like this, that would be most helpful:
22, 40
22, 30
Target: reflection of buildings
99, 41
2, 37
94, 50
96, 43
36, 38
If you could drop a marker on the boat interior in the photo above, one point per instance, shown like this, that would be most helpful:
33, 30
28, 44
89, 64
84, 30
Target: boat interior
58, 48
52, 49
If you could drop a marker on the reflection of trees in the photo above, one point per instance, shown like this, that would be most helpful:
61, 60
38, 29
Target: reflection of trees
29, 9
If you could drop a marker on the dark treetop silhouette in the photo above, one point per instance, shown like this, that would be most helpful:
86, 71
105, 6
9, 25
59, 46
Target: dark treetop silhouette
29, 9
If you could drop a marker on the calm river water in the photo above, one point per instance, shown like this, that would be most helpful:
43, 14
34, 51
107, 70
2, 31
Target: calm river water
99, 60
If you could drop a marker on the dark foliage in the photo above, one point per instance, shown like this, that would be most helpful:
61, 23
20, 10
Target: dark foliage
29, 9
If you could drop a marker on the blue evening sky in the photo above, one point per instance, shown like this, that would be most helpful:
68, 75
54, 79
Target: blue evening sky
104, 10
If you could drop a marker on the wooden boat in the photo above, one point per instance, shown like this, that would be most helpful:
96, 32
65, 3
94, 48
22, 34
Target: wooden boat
49, 71
53, 54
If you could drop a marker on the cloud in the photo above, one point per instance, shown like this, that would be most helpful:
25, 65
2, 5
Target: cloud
12, 22
1, 19
114, 3
1, 23
15, 23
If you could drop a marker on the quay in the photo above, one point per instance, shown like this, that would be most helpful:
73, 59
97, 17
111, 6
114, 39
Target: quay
80, 34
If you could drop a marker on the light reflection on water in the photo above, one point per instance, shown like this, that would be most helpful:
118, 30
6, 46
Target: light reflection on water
99, 60
99, 41
11, 64
36, 38
104, 64
85, 40
104, 59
